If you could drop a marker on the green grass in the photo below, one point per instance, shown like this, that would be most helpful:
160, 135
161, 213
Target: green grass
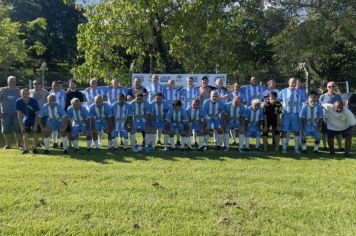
181, 193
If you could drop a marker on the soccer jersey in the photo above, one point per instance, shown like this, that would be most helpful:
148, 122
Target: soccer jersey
113, 93
254, 116
55, 113
91, 93
311, 114
78, 116
100, 113
272, 111
153, 90
213, 110
240, 93
159, 110
139, 110
120, 112
60, 97
235, 112
292, 100
188, 95
171, 95
177, 117
331, 99
253, 92
29, 109
196, 116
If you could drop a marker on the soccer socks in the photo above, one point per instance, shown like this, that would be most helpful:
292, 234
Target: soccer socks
88, 144
233, 134
247, 142
188, 141
147, 140
109, 144
65, 143
296, 141
97, 145
153, 140
75, 144
133, 140
165, 140
241, 141
46, 143
55, 136
201, 141
173, 145
219, 139
226, 140
114, 142
258, 142
182, 143
159, 133
284, 143
206, 138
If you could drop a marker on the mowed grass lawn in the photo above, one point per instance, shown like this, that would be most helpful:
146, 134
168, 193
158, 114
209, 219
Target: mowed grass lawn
177, 193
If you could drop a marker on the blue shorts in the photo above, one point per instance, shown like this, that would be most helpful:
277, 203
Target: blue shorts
332, 133
235, 125
311, 130
121, 133
196, 127
101, 125
290, 122
253, 131
77, 129
139, 125
159, 124
175, 127
10, 123
214, 123
54, 124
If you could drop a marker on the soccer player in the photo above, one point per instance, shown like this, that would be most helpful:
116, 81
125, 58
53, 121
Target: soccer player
237, 92
311, 117
73, 92
189, 93
254, 121
53, 118
171, 93
61, 100
80, 120
271, 87
330, 97
214, 107
237, 115
136, 89
27, 111
8, 113
101, 113
272, 111
204, 90
140, 110
291, 100
92, 91
120, 111
221, 90
178, 122
197, 122
159, 110
39, 93
154, 88
253, 91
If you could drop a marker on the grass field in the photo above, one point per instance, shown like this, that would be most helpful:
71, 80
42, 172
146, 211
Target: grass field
180, 193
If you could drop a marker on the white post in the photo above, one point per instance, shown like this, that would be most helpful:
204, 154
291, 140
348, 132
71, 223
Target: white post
347, 87
30, 84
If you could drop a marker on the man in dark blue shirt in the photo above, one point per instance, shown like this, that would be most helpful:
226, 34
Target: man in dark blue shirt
27, 110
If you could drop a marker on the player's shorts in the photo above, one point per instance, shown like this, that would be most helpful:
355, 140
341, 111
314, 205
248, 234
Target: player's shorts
324, 127
138, 125
29, 124
174, 127
214, 123
271, 123
235, 125
332, 133
54, 124
253, 131
158, 124
10, 123
77, 129
311, 131
196, 127
101, 125
290, 122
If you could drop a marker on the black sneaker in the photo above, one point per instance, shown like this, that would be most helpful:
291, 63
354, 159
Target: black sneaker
55, 145
25, 151
34, 151
65, 152
218, 147
201, 149
178, 143
46, 152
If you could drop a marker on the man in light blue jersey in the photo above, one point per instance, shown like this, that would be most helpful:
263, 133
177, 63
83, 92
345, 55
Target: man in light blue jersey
171, 93
178, 122
159, 111
237, 113
254, 121
154, 88
79, 118
92, 91
291, 101
53, 118
197, 123
114, 90
60, 94
237, 91
311, 117
214, 107
101, 115
189, 93
253, 91
121, 110
221, 90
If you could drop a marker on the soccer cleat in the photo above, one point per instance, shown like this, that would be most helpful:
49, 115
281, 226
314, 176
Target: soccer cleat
173, 149
34, 151
296, 151
206, 148
341, 149
76, 149
284, 151
159, 142
6, 147
226, 149
88, 149
218, 147
316, 151
178, 143
46, 152
305, 151
234, 143
201, 149
146, 149
332, 153
347, 154
25, 151
196, 144
55, 145
247, 149
165, 149
65, 152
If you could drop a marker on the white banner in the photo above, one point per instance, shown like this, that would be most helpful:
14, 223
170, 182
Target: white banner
180, 79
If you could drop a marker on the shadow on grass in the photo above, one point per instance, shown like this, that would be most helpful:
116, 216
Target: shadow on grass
104, 156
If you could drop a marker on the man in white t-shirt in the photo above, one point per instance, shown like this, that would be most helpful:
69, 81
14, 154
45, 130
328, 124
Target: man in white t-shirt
340, 121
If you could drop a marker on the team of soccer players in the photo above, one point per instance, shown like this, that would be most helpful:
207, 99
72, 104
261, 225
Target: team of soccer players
192, 112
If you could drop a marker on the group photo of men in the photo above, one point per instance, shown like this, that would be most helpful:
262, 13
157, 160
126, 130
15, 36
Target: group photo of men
195, 117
